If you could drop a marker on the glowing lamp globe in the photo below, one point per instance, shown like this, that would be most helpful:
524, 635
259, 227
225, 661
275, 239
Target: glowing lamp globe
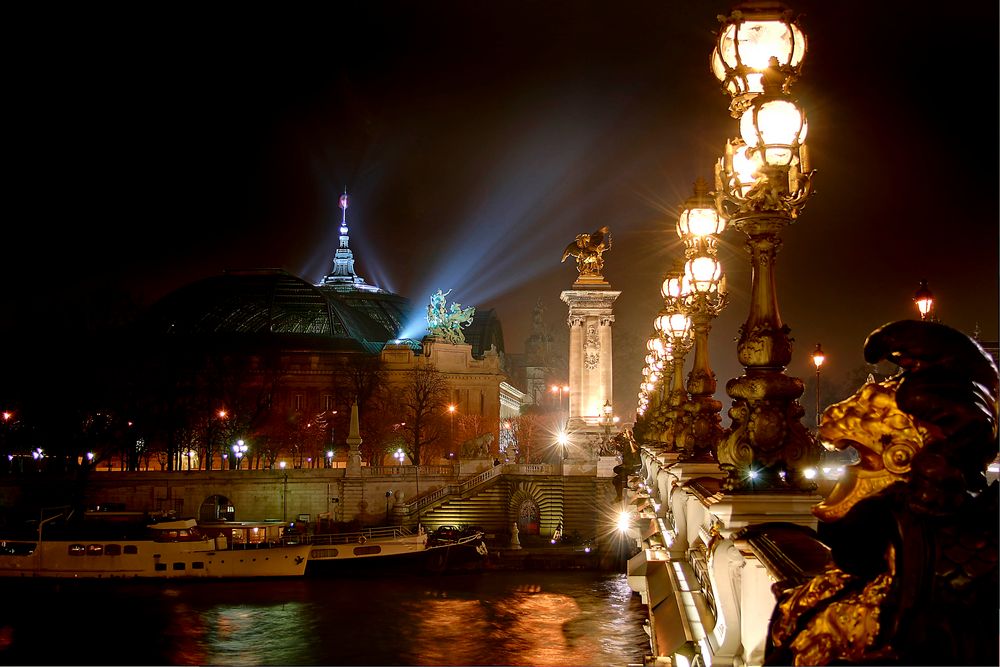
704, 273
774, 127
742, 164
699, 218
655, 345
924, 299
678, 325
748, 39
674, 288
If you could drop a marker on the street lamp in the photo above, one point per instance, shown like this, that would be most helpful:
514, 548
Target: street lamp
761, 185
559, 390
329, 458
399, 456
606, 420
924, 299
675, 327
239, 450
704, 296
818, 358
451, 427
563, 441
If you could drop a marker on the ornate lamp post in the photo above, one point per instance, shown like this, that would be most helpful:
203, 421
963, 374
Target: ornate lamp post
451, 427
924, 299
762, 184
560, 390
699, 226
239, 450
675, 327
606, 421
818, 358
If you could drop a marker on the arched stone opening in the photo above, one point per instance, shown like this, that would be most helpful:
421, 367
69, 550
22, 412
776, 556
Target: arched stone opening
217, 508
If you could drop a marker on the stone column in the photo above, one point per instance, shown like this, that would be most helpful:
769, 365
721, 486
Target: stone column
590, 379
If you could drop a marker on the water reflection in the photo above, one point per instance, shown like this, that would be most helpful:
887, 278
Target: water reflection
498, 618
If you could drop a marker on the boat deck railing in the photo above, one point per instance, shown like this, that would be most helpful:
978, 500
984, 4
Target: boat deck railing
375, 533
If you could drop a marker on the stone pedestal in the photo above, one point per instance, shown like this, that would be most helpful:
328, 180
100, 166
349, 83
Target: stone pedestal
591, 313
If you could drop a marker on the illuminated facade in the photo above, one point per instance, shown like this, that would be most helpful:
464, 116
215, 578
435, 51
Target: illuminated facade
297, 342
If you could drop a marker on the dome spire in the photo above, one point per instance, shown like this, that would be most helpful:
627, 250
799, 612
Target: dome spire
342, 272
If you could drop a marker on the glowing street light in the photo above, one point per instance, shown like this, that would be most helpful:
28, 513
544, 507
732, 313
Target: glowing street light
924, 299
451, 426
761, 186
703, 287
559, 390
399, 456
818, 358
329, 458
563, 441
607, 419
239, 451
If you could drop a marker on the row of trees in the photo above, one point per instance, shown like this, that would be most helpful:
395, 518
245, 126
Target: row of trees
148, 404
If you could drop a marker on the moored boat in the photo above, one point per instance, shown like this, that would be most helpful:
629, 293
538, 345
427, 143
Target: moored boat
165, 549
390, 549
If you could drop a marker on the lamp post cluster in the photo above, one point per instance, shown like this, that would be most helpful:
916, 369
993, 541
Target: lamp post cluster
761, 185
668, 347
686, 419
762, 182
704, 296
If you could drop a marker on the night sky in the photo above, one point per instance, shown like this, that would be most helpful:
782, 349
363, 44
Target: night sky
148, 148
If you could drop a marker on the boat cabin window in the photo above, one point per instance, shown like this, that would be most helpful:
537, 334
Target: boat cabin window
197, 565
160, 567
179, 566
177, 535
77, 550
367, 550
130, 549
95, 549
113, 550
16, 548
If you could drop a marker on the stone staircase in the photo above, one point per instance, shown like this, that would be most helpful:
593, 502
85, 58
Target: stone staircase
493, 499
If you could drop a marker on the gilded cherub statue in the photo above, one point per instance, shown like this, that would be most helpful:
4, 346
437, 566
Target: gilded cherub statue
913, 525
588, 250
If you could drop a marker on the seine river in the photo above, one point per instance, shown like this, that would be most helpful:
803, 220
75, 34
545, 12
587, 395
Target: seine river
540, 618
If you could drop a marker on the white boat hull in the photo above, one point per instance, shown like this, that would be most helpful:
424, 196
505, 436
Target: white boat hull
128, 559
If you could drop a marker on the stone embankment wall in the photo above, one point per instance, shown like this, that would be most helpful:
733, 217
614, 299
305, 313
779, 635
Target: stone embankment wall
253, 494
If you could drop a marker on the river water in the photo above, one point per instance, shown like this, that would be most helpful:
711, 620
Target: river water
544, 618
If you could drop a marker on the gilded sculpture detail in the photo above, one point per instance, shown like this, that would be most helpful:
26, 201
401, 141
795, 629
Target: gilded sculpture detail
589, 250
913, 525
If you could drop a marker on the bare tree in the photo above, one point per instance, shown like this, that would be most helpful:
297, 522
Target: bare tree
421, 399
525, 429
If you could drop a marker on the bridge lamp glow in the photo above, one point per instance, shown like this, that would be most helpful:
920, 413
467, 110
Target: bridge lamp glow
699, 217
624, 522
809, 473
282, 465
